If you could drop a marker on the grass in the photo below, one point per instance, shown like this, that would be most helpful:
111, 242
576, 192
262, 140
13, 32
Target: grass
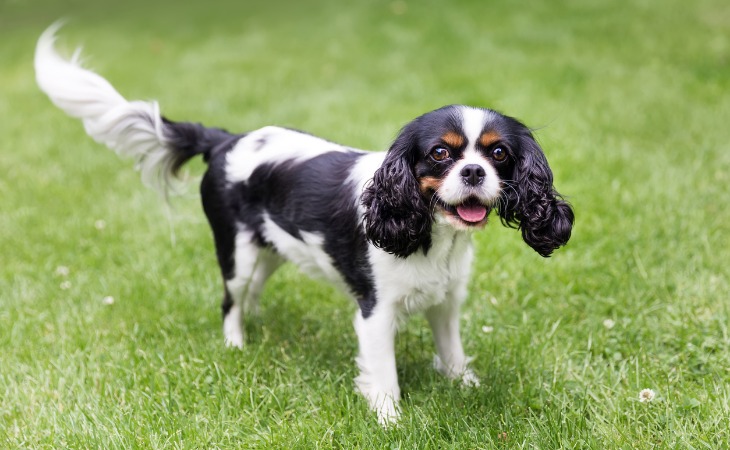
630, 102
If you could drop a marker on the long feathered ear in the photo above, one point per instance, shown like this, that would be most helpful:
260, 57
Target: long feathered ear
531, 203
397, 218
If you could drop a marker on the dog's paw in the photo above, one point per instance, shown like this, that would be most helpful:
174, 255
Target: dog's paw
469, 379
233, 329
388, 412
234, 341
383, 402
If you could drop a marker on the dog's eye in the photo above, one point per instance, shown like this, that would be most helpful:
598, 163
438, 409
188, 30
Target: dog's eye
499, 154
440, 154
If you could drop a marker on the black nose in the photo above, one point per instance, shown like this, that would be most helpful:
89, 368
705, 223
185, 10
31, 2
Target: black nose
473, 174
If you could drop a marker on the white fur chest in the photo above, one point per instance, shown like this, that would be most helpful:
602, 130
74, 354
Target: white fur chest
415, 283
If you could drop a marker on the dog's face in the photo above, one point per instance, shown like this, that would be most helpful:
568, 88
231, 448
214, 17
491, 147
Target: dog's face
459, 163
461, 157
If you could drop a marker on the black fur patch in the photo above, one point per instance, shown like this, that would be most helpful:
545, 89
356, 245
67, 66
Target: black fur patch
219, 209
187, 140
312, 196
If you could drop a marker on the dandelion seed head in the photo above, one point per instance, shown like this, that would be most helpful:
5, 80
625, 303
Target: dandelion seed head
100, 224
487, 329
108, 300
65, 285
62, 271
608, 323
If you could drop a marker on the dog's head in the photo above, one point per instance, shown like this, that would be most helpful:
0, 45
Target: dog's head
459, 163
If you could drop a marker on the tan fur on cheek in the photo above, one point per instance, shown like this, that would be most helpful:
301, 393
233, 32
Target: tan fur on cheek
429, 184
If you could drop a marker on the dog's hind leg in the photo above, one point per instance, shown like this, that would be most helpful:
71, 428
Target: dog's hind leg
245, 264
252, 267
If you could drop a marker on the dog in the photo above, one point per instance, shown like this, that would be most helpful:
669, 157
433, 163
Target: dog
392, 229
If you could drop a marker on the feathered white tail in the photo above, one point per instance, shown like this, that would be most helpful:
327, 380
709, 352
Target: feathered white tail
132, 129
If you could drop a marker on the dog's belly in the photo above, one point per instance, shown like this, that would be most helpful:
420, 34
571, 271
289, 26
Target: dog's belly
307, 253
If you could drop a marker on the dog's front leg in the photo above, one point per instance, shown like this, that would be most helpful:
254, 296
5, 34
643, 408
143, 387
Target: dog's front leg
450, 359
378, 379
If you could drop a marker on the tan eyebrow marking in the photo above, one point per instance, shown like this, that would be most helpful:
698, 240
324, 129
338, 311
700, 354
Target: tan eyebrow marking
453, 140
489, 138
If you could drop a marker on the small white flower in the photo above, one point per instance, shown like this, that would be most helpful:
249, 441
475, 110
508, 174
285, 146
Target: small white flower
487, 329
62, 271
65, 285
646, 395
100, 224
493, 300
108, 300
608, 323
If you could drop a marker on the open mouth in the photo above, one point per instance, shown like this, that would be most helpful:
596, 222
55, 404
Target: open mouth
472, 211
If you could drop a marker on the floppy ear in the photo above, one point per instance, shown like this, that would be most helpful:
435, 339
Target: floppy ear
532, 204
397, 218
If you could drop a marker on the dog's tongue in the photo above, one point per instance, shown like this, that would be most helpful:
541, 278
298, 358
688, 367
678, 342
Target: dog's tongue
471, 213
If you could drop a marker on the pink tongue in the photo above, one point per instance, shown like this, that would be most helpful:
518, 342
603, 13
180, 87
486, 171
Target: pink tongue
472, 213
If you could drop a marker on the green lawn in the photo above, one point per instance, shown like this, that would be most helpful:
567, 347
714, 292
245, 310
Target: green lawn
631, 102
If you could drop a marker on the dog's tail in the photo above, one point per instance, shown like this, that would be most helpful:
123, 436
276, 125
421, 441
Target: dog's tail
133, 129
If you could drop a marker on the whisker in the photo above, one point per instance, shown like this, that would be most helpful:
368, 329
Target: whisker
511, 185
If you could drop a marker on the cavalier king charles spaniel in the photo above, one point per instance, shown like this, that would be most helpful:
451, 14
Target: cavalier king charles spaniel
391, 229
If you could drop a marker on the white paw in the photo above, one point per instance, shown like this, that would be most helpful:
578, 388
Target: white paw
234, 340
384, 404
233, 328
465, 374
388, 412
469, 379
